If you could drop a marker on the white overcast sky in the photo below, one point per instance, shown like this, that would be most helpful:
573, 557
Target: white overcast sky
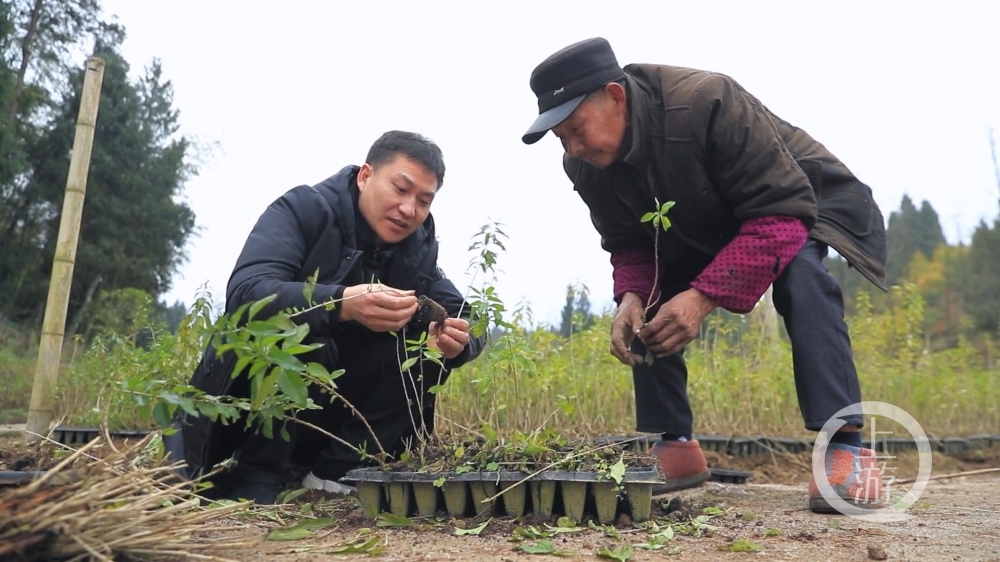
904, 93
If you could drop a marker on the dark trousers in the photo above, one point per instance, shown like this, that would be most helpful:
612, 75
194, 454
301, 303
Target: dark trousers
811, 303
394, 406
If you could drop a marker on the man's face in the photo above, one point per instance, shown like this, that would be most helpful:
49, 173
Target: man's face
594, 131
396, 197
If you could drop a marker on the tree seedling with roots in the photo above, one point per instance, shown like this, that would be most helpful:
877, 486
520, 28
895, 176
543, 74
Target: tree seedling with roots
660, 222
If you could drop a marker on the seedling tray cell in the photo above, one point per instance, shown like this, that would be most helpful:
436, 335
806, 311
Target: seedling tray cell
543, 496
425, 494
954, 446
728, 476
514, 497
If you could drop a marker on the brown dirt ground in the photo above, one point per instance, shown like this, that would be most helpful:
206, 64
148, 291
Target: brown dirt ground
955, 519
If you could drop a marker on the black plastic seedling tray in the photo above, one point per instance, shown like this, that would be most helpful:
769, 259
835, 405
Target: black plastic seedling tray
574, 494
81, 435
17, 477
727, 476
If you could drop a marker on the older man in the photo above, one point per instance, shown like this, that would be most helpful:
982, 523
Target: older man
758, 202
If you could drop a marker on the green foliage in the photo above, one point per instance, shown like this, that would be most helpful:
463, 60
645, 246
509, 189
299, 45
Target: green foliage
17, 371
910, 231
132, 352
134, 225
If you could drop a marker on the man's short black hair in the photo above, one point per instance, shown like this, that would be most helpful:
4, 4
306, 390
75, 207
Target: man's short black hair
416, 147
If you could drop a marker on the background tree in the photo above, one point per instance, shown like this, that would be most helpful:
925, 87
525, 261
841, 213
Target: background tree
135, 224
911, 230
36, 38
576, 314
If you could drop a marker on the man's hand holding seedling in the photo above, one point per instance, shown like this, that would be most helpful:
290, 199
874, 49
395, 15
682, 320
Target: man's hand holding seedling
624, 328
450, 337
378, 307
676, 323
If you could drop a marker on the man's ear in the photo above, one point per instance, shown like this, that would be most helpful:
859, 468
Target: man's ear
616, 92
364, 176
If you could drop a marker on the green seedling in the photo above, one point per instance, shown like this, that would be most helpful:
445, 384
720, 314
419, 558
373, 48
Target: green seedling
742, 545
301, 530
459, 532
622, 553
544, 547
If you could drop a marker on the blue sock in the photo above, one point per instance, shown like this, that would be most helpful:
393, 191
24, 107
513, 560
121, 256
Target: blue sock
852, 438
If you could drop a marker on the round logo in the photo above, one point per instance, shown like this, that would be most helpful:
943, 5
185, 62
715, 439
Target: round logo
871, 473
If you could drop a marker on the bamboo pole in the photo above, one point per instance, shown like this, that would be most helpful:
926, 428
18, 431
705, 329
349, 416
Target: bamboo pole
54, 324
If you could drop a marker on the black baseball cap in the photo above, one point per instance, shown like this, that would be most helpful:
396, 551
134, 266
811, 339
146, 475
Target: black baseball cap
565, 78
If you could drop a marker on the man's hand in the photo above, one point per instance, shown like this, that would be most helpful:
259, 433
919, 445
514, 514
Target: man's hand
626, 324
451, 338
676, 323
378, 307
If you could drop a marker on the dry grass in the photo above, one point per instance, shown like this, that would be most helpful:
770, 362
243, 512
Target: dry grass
124, 506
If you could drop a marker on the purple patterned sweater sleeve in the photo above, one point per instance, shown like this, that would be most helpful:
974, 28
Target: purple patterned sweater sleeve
737, 277
634, 272
740, 273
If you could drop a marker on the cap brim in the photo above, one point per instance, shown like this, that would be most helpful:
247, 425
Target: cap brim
550, 119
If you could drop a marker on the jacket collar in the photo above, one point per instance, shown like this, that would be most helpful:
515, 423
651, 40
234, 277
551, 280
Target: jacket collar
637, 133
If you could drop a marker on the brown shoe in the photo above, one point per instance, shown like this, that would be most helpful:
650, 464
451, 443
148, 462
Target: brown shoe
683, 465
854, 475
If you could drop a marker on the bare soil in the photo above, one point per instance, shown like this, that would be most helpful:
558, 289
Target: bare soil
954, 519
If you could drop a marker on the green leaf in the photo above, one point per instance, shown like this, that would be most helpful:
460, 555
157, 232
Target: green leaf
772, 532
473, 531
622, 554
530, 532
436, 388
618, 470
408, 363
299, 349
541, 547
713, 510
161, 414
386, 519
285, 360
675, 550
647, 217
293, 386
566, 522
309, 286
369, 547
666, 207
493, 466
257, 306
289, 534
742, 545
439, 482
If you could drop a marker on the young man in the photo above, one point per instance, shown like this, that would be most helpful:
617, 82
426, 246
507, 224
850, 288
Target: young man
369, 233
758, 202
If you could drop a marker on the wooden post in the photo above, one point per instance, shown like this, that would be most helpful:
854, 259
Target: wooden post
54, 324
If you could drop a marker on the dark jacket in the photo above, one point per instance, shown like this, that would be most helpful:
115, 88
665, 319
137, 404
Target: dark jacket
307, 229
698, 139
